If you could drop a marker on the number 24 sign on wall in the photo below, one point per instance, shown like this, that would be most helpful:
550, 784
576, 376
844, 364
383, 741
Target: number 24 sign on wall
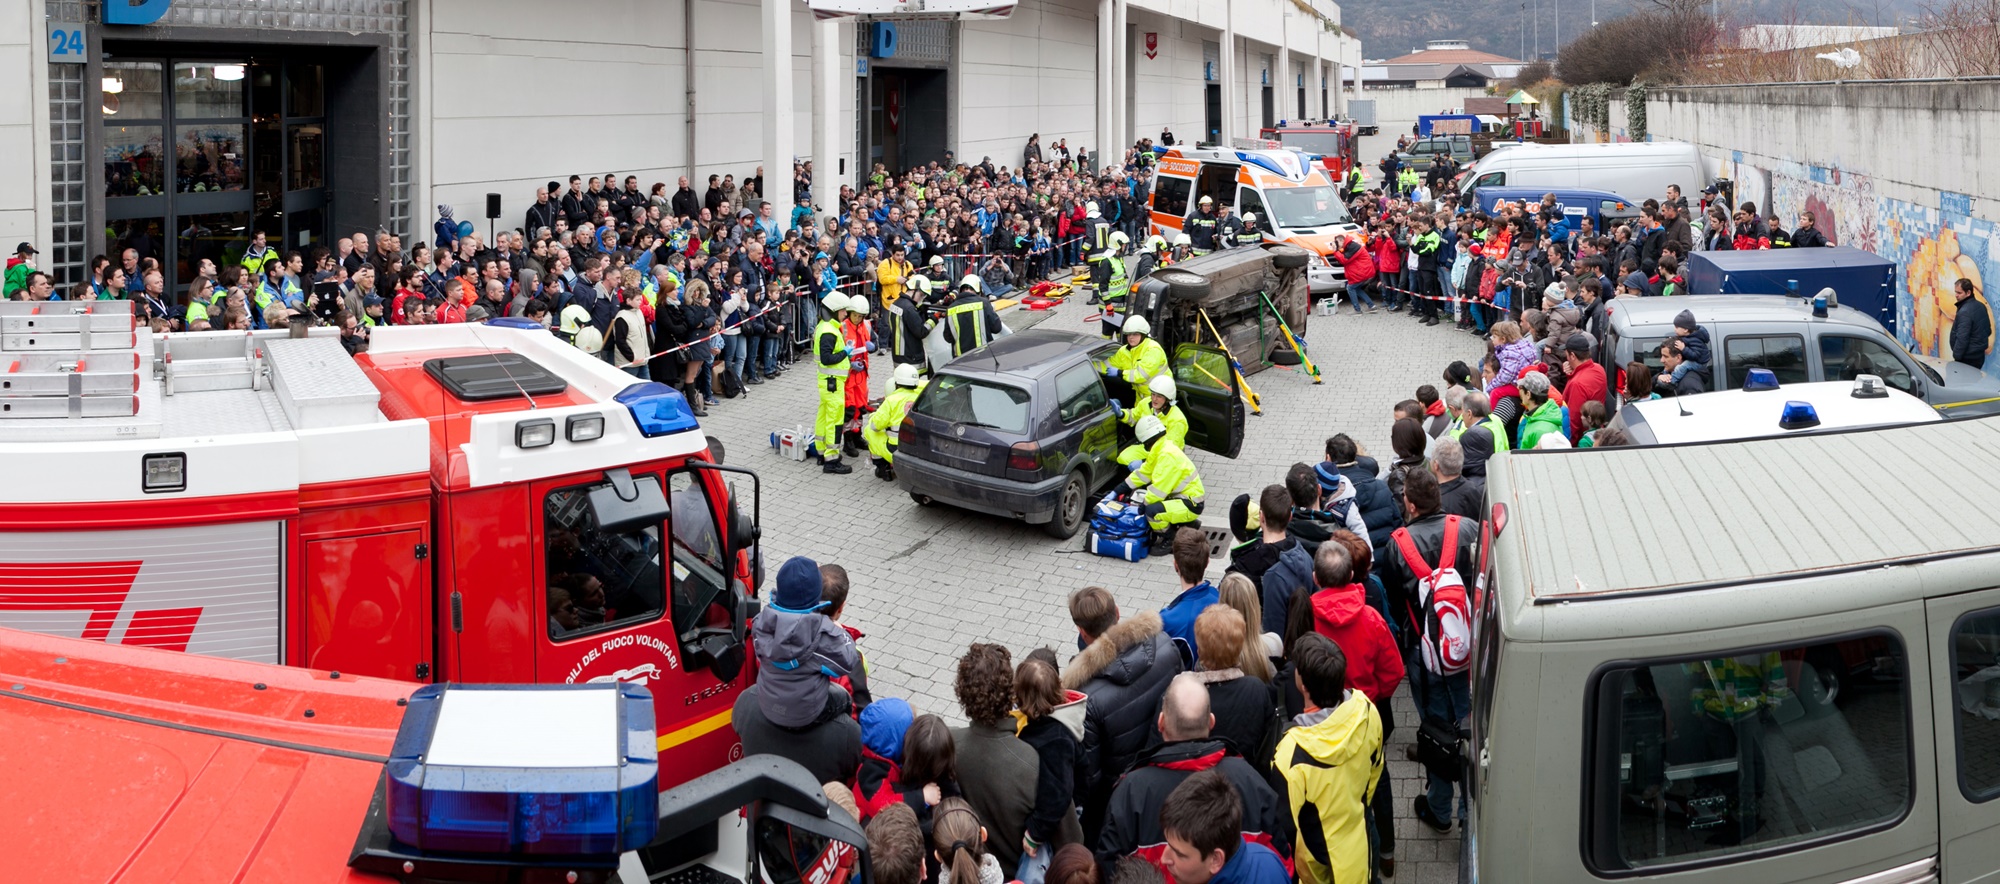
66, 44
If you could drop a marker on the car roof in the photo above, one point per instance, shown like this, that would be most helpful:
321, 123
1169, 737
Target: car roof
1749, 414
1030, 353
1632, 312
1748, 512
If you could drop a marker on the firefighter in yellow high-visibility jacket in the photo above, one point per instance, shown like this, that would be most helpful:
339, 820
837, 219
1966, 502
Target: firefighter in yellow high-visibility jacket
1160, 404
1165, 485
883, 426
831, 353
1141, 359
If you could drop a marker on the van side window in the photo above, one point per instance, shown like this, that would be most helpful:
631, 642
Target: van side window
1697, 761
1975, 674
1784, 355
1844, 356
597, 579
1219, 182
1248, 201
1170, 196
1491, 179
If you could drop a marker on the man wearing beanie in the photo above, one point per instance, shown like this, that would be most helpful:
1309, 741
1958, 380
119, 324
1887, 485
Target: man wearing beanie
794, 710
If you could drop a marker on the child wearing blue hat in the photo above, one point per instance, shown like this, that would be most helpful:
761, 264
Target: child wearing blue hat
801, 651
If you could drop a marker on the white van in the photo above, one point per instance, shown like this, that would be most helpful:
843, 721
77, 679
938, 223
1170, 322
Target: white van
1638, 169
1772, 661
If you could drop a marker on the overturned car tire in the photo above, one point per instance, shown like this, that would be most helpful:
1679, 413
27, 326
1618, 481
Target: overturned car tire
1183, 285
1286, 257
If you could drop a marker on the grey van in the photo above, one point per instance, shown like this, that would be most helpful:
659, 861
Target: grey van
1781, 334
1773, 661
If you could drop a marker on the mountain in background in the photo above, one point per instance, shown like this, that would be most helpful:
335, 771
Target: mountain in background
1391, 28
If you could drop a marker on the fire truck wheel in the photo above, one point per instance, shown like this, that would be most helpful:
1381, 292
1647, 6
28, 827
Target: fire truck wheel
1183, 285
1287, 257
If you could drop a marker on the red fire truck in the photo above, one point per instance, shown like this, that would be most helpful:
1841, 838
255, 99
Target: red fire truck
133, 764
1335, 144
469, 503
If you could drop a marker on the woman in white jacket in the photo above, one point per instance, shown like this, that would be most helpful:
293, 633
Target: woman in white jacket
631, 337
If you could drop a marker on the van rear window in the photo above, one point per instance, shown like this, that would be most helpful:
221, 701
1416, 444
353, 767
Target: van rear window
1698, 761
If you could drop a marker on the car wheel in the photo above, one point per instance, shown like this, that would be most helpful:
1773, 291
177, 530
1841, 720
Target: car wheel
922, 499
1287, 257
1183, 285
1070, 507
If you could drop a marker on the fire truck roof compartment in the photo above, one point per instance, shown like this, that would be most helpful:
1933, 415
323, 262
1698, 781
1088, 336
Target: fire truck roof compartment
493, 376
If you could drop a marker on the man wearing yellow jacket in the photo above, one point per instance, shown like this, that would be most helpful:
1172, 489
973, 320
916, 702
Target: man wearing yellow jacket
1331, 759
1160, 403
883, 427
1141, 359
1164, 485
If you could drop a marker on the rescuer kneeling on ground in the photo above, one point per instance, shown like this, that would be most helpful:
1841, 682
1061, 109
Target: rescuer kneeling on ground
882, 428
1165, 485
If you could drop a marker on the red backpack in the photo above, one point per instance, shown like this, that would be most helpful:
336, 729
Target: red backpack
1446, 624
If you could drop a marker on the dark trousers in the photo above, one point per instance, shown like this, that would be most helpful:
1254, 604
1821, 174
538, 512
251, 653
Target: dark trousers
1978, 362
1426, 288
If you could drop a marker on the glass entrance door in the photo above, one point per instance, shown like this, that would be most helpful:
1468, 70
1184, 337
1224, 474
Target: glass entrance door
202, 151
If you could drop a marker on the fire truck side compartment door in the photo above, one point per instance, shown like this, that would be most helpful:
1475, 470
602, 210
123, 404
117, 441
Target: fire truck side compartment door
367, 605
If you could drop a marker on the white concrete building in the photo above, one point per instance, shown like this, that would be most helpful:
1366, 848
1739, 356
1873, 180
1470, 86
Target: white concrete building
179, 126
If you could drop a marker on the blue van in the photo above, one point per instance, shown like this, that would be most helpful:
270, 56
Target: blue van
1601, 207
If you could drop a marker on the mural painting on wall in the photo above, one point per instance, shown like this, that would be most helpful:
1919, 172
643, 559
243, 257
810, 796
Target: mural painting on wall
1933, 247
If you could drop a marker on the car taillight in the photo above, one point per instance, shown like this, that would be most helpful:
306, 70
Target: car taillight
1024, 456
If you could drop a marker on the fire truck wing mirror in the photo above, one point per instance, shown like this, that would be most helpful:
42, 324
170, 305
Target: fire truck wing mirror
627, 503
743, 530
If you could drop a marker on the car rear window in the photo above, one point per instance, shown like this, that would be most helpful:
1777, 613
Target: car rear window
963, 400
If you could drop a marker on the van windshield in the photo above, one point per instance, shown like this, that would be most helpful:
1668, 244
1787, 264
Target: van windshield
1300, 207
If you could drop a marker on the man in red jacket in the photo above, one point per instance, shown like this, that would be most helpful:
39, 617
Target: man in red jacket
1586, 382
1359, 267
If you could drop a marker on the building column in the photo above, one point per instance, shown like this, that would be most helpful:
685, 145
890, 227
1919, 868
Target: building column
1105, 74
1226, 60
828, 80
1283, 87
778, 109
1121, 84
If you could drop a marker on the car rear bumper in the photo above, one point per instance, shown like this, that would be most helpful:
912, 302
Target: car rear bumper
1033, 503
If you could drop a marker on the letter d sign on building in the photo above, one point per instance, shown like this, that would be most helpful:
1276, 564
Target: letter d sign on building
134, 12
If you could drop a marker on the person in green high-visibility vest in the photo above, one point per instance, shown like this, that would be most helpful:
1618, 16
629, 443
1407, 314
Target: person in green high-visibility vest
1160, 403
831, 354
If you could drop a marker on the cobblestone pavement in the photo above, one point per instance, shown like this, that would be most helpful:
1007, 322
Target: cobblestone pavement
928, 581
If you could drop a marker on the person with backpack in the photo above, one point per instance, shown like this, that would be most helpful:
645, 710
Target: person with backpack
1422, 572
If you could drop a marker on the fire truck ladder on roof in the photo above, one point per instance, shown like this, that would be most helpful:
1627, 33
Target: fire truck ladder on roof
68, 359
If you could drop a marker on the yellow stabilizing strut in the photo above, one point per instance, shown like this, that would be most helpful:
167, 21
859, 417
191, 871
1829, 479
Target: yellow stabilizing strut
1297, 347
1249, 395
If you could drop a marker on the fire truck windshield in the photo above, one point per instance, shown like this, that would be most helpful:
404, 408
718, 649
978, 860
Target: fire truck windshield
1295, 208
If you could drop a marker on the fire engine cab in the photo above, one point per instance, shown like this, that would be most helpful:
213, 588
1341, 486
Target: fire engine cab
466, 503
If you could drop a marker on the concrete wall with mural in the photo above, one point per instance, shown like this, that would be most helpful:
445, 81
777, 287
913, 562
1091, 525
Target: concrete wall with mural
1891, 167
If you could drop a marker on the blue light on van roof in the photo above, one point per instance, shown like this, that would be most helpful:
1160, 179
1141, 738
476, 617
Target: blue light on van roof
1760, 379
657, 408
1267, 163
533, 770
1798, 416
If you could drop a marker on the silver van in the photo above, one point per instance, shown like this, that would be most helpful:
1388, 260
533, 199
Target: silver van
1781, 334
1773, 661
